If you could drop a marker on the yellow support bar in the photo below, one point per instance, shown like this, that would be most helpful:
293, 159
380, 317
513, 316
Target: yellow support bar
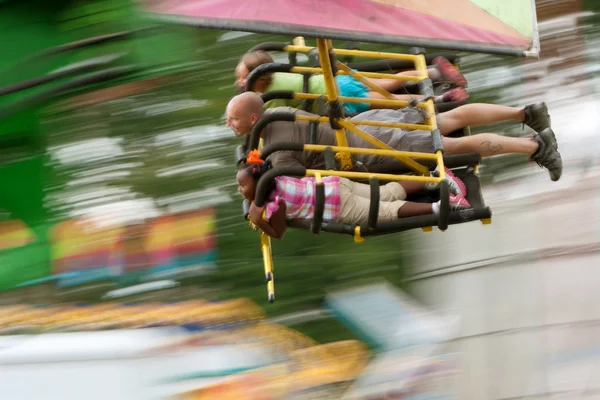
299, 41
421, 66
364, 81
318, 178
368, 175
360, 53
357, 122
332, 97
330, 84
359, 150
381, 102
265, 246
377, 75
357, 236
440, 163
413, 165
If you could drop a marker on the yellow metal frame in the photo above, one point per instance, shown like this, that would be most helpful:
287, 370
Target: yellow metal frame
265, 246
358, 122
342, 150
344, 70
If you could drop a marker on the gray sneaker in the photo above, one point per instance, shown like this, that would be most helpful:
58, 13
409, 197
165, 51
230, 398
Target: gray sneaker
546, 155
537, 118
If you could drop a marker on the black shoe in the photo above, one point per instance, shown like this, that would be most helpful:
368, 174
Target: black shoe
537, 118
547, 156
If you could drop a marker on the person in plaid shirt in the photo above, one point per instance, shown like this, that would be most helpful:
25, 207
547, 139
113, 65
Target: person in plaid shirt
346, 201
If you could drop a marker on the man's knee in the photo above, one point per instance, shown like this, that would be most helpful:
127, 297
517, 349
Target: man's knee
451, 146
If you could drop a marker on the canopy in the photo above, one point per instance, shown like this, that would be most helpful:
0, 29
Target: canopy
506, 27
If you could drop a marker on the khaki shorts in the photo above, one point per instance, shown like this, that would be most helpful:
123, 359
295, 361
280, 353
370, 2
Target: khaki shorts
355, 201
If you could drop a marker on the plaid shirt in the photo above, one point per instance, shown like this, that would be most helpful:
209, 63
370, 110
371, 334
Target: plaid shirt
299, 197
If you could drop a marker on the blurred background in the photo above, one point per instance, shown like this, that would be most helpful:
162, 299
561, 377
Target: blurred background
128, 271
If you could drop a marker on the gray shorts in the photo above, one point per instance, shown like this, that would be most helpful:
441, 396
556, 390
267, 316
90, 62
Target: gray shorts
419, 141
398, 139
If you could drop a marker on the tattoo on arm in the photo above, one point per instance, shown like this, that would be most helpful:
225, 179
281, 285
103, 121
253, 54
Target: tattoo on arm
492, 148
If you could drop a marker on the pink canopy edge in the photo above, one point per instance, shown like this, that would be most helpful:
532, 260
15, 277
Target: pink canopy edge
350, 16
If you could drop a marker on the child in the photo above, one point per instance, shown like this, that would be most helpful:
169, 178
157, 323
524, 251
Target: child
346, 201
441, 69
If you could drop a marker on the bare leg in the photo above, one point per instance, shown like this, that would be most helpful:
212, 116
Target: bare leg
391, 85
489, 144
477, 114
412, 187
410, 209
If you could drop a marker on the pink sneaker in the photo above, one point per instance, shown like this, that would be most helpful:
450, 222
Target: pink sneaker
456, 185
458, 94
448, 72
458, 203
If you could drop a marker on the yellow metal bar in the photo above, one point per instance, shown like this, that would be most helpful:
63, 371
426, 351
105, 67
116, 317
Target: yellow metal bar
361, 53
332, 97
421, 66
357, 236
375, 54
330, 84
311, 118
365, 81
299, 41
318, 178
377, 75
357, 122
380, 75
358, 150
381, 102
367, 175
413, 165
265, 246
440, 163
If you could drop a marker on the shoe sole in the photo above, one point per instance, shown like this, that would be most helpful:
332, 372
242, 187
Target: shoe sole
457, 96
551, 137
461, 185
449, 72
461, 205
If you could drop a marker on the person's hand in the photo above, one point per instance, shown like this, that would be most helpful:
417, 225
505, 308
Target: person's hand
255, 213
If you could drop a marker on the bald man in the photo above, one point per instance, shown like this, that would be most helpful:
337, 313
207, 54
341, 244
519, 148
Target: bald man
244, 111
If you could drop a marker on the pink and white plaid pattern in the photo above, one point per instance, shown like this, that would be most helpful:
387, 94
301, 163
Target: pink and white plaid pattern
298, 194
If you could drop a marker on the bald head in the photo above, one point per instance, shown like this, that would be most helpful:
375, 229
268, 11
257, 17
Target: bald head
243, 111
248, 101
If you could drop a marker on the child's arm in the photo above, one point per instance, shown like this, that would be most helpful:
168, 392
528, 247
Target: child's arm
276, 226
